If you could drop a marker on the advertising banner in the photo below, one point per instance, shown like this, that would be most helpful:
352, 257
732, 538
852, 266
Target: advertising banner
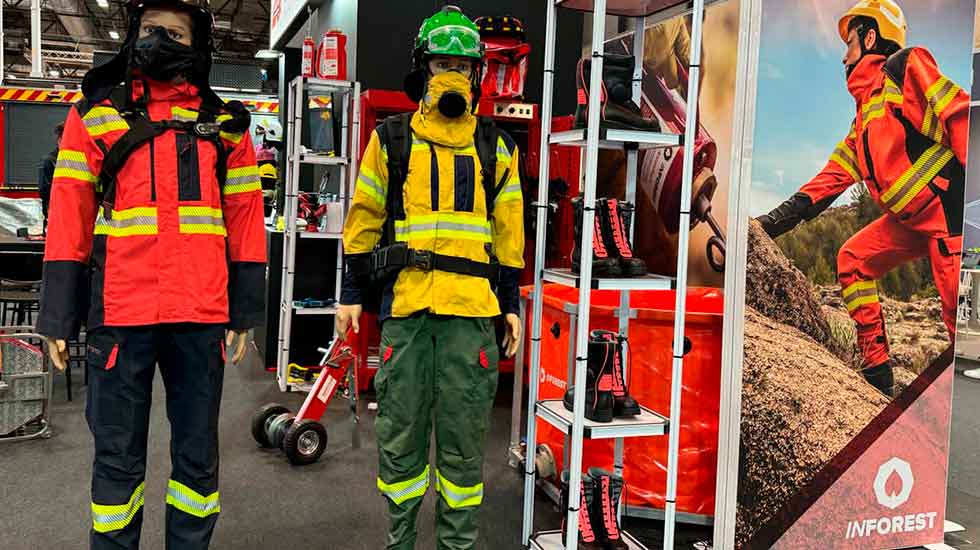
282, 13
851, 282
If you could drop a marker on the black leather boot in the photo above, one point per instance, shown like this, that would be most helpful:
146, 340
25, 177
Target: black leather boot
881, 377
617, 107
608, 489
587, 537
616, 237
623, 404
598, 383
603, 264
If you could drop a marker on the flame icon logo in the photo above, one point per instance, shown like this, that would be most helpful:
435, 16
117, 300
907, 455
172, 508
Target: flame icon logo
895, 471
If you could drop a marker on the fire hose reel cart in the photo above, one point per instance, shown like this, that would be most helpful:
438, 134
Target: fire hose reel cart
302, 436
650, 423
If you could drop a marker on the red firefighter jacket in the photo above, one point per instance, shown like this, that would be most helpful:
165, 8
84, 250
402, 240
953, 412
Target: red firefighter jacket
176, 247
908, 142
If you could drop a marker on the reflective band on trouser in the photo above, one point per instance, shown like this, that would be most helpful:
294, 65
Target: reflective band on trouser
940, 94
901, 193
191, 502
73, 165
510, 192
102, 120
860, 294
202, 220
128, 223
456, 496
846, 159
242, 180
107, 518
446, 226
405, 490
369, 184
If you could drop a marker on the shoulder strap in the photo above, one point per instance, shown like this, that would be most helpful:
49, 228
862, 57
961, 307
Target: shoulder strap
895, 66
395, 134
486, 149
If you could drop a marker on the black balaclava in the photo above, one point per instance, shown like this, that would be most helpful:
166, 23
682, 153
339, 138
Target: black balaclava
160, 57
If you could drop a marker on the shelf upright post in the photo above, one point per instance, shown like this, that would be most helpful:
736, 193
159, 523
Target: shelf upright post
585, 270
540, 244
690, 131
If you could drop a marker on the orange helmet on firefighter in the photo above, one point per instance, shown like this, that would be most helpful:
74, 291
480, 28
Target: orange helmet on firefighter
887, 13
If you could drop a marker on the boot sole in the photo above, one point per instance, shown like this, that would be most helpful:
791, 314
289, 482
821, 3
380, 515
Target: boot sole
604, 418
635, 272
600, 273
627, 412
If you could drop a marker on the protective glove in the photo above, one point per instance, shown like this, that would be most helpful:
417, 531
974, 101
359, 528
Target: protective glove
58, 351
512, 338
236, 340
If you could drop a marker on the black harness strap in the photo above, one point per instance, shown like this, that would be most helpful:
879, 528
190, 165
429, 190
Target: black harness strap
141, 131
395, 134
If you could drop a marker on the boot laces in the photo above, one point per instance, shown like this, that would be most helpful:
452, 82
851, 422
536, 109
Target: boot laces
619, 235
608, 515
584, 526
597, 243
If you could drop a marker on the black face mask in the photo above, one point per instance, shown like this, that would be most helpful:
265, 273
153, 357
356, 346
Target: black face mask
162, 58
452, 104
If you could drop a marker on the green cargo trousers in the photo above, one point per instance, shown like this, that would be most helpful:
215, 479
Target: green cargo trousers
437, 369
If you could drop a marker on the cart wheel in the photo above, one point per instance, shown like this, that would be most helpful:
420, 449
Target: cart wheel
305, 442
259, 420
276, 428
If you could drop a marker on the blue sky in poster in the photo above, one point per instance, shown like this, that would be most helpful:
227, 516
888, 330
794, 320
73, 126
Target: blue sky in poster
804, 108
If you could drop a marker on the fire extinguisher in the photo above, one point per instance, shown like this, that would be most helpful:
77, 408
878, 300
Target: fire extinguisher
332, 55
308, 46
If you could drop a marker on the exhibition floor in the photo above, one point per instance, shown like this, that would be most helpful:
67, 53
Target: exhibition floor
266, 503
963, 499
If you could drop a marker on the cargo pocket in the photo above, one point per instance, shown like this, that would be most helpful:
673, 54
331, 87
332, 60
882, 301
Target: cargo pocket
103, 356
188, 171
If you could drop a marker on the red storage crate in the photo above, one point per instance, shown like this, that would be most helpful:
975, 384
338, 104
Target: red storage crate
649, 376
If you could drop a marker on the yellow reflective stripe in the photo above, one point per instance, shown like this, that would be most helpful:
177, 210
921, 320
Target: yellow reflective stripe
510, 192
243, 179
101, 120
128, 223
443, 225
241, 188
107, 517
861, 301
892, 93
203, 229
405, 490
133, 213
847, 160
908, 186
200, 211
191, 502
457, 496
233, 138
858, 286
371, 185
183, 115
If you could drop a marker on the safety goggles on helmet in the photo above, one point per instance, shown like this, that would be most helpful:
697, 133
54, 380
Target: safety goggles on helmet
454, 40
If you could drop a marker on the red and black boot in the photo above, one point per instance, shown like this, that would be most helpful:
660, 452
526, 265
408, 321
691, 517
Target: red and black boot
603, 264
587, 537
617, 109
616, 236
608, 489
599, 381
623, 404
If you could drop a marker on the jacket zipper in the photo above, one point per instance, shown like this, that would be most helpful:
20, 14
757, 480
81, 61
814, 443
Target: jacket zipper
153, 173
867, 159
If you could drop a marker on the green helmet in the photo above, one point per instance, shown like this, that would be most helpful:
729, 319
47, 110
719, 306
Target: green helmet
448, 32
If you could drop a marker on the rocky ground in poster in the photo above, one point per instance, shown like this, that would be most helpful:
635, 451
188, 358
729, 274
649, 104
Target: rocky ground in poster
797, 415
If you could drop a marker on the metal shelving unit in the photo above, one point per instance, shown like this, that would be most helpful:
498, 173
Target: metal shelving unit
297, 156
593, 138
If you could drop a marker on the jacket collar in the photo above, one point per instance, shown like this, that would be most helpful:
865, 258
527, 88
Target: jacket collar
165, 91
866, 75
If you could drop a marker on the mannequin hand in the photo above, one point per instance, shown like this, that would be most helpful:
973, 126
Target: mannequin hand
236, 340
513, 336
58, 351
348, 315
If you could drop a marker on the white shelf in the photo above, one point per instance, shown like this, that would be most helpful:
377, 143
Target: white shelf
332, 310
610, 138
656, 10
319, 235
647, 424
649, 282
551, 540
322, 159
